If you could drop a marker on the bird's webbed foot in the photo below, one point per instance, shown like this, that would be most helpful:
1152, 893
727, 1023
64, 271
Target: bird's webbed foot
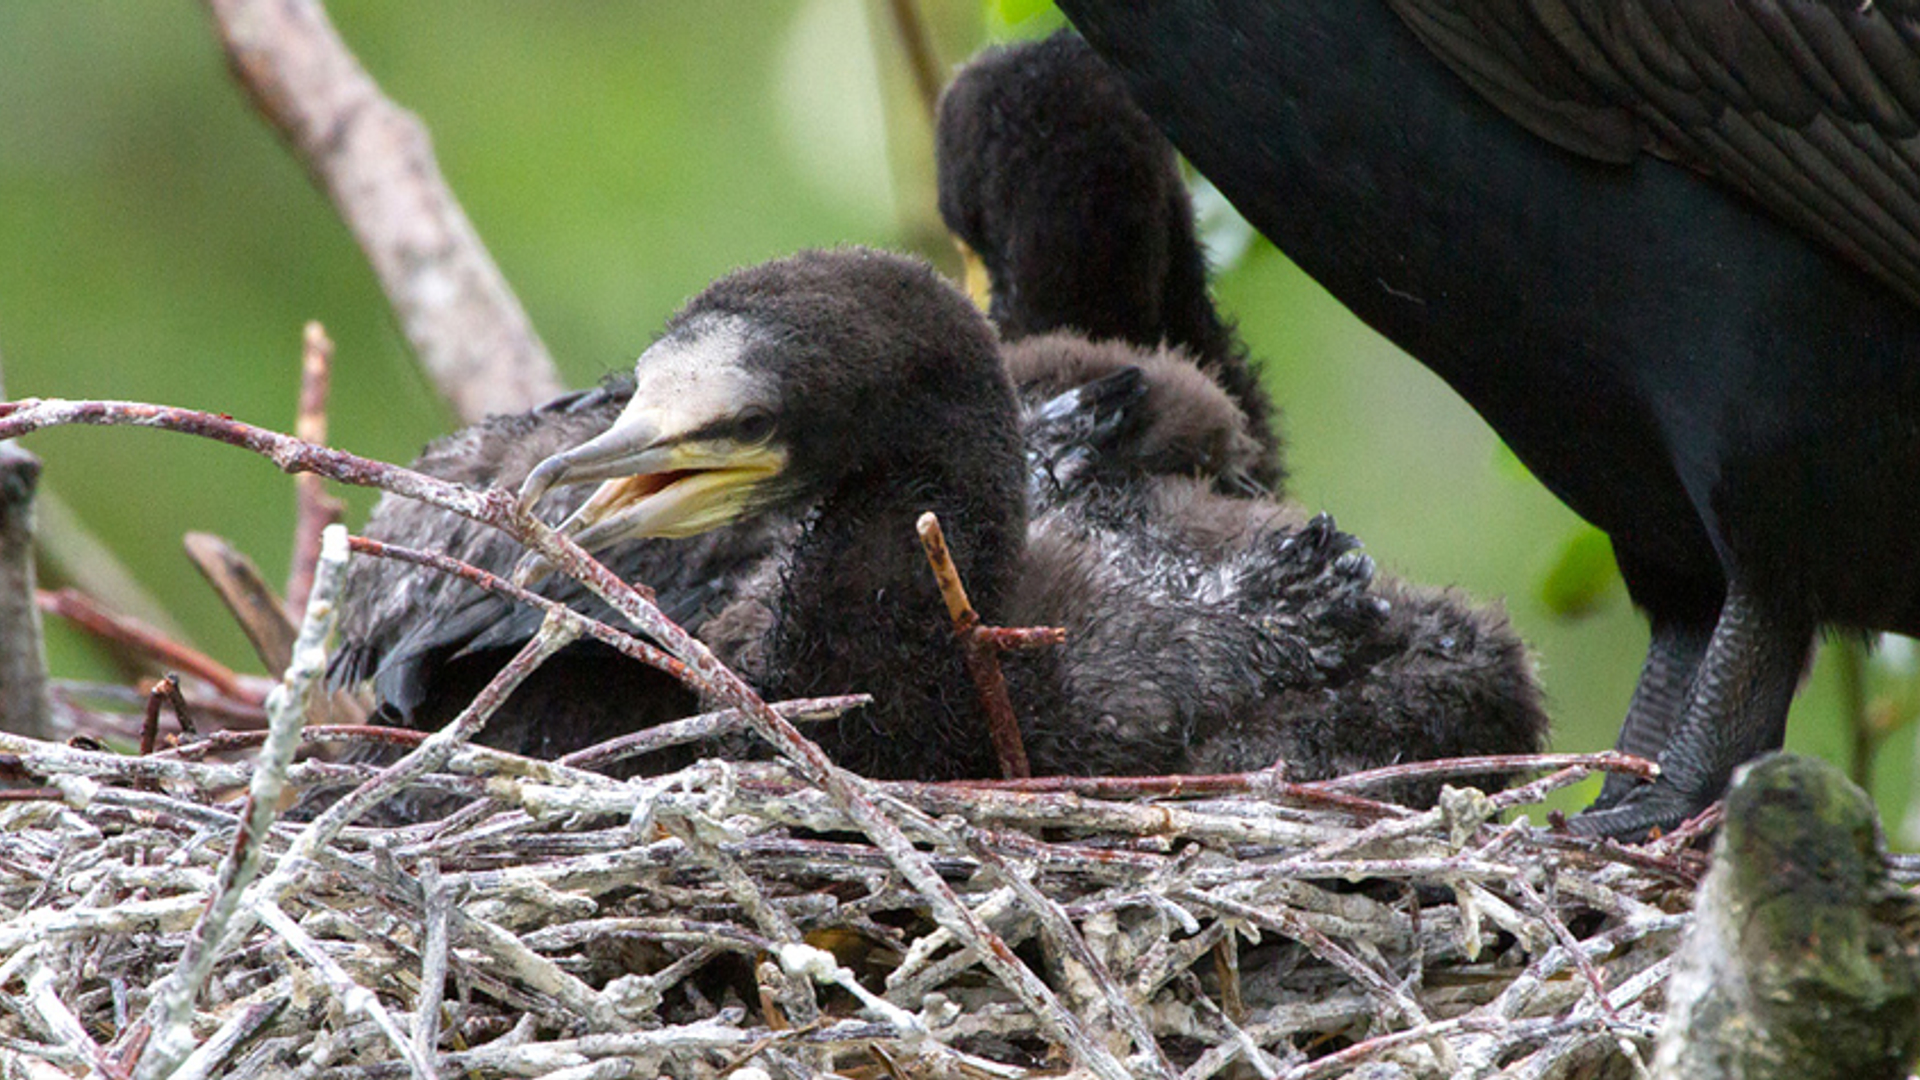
1659, 701
1736, 709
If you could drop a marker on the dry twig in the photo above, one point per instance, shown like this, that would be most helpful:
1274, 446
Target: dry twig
982, 646
90, 615
314, 509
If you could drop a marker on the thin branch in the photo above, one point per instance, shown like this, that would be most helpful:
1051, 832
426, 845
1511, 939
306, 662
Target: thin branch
493, 583
436, 909
375, 161
351, 995
89, 615
1059, 929
314, 509
246, 594
982, 646
245, 1025
706, 727
263, 618
165, 691
911, 26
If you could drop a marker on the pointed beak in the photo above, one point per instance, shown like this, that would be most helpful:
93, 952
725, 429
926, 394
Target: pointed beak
653, 483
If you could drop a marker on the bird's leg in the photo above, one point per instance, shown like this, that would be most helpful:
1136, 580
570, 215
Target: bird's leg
1736, 709
1659, 700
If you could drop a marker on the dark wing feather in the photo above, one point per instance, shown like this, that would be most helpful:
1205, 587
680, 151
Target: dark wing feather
382, 633
1811, 107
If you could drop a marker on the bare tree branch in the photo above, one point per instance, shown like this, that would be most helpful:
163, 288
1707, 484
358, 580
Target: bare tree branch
23, 656
171, 1011
375, 161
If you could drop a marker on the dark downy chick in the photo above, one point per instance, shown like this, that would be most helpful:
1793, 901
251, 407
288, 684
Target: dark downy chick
1071, 202
429, 642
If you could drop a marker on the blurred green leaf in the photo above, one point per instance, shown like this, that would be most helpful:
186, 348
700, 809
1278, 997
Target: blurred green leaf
1226, 236
1508, 464
1582, 575
1022, 18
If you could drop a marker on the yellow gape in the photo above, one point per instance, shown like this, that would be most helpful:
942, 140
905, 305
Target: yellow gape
979, 285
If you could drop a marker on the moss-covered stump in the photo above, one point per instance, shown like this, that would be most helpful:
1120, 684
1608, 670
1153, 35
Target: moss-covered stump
1802, 960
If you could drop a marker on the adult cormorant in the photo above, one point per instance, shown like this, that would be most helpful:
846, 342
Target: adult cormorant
1671, 252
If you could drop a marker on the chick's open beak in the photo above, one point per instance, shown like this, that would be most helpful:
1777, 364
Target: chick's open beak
655, 482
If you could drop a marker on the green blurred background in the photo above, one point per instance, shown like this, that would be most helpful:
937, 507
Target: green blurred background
157, 243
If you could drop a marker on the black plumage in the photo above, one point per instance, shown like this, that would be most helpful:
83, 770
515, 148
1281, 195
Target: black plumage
1669, 250
1204, 632
1070, 199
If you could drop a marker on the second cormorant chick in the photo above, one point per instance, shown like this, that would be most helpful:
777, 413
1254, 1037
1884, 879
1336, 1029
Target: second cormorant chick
1071, 207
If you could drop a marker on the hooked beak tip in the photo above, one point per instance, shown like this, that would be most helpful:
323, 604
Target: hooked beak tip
541, 480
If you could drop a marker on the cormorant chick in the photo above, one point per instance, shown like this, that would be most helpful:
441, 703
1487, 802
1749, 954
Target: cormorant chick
852, 391
1067, 199
1407, 667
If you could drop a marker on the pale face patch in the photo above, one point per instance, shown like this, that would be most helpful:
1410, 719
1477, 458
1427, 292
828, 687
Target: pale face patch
696, 376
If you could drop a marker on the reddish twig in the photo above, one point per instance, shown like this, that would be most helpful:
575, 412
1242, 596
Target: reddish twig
226, 741
167, 689
106, 705
375, 161
314, 509
703, 727
982, 646
35, 794
493, 583
87, 613
1269, 784
1605, 761
1332, 793
1544, 912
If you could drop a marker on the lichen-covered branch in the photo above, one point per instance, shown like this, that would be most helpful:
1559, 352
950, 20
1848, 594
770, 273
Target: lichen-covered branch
172, 1012
1803, 960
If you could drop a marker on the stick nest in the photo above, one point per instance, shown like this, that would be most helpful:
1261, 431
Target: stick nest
730, 917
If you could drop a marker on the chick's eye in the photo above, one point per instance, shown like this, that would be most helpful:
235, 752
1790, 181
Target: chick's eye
753, 425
